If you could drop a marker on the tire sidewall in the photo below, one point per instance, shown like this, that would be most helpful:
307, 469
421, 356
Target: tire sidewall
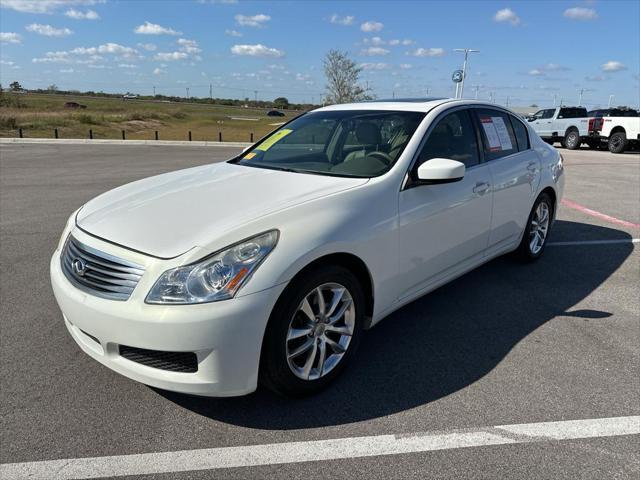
274, 369
621, 146
524, 250
572, 145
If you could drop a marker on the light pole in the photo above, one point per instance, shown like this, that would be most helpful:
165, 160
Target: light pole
477, 89
466, 51
611, 97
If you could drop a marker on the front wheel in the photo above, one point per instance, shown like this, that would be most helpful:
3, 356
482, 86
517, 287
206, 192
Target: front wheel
536, 232
313, 332
572, 140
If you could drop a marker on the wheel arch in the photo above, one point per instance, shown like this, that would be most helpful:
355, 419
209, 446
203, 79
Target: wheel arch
554, 198
618, 129
355, 265
572, 128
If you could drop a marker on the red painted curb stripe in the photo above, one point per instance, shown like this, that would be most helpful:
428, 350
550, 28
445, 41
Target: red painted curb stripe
593, 213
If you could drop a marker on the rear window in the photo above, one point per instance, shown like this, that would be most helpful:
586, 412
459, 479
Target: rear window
498, 137
572, 113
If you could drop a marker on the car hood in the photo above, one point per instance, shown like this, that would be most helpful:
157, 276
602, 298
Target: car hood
169, 214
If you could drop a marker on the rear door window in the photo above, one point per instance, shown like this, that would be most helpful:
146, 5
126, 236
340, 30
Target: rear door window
520, 131
498, 137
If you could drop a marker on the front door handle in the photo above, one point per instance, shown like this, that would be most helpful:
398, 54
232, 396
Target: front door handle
481, 188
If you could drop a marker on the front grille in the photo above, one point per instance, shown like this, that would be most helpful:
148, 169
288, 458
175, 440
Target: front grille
185, 362
99, 273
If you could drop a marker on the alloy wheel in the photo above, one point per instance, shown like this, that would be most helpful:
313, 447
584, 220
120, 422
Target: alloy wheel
320, 331
539, 228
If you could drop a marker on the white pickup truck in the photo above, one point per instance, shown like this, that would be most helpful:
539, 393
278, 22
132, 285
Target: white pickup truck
618, 128
567, 125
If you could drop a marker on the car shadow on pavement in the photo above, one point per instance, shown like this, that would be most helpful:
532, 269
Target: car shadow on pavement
442, 342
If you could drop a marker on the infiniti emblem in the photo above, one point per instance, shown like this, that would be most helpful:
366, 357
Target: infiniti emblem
79, 266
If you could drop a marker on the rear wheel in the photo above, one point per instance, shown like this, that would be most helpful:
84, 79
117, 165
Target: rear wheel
617, 142
572, 140
536, 232
313, 332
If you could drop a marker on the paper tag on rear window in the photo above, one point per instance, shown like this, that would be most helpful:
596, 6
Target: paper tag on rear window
249, 156
491, 134
503, 133
273, 139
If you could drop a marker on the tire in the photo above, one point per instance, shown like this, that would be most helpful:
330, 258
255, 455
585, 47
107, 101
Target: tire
526, 251
283, 371
572, 140
617, 142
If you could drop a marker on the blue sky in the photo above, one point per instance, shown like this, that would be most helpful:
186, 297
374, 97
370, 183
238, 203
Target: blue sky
530, 51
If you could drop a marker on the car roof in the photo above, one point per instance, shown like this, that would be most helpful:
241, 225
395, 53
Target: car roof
408, 105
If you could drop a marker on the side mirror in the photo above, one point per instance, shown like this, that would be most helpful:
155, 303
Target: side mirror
440, 170
531, 118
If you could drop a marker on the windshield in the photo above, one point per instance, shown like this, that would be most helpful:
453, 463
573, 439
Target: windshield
354, 143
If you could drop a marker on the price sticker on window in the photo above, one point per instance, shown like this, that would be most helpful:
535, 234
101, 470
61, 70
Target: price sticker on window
273, 139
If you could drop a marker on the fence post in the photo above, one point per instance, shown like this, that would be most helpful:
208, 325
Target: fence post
90, 134
156, 134
251, 137
219, 136
55, 132
123, 137
20, 132
189, 135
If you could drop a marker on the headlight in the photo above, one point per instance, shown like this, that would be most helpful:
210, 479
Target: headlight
216, 277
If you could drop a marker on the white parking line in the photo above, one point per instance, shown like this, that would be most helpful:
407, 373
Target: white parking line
594, 242
340, 448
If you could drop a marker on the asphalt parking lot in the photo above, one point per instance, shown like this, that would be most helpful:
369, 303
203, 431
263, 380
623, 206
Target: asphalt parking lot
507, 344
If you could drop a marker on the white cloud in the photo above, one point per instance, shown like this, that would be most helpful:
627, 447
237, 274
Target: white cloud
580, 13
48, 30
536, 72
127, 65
371, 26
374, 41
273, 66
79, 15
405, 42
406, 66
374, 51
613, 66
66, 70
427, 52
6, 62
232, 33
44, 6
338, 20
507, 15
158, 71
170, 56
149, 47
554, 67
257, 50
10, 37
374, 66
149, 28
189, 46
252, 20
595, 78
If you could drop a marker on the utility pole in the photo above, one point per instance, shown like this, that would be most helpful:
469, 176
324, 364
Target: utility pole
491, 97
477, 89
154, 91
466, 51
210, 91
255, 94
580, 101
187, 93
555, 97
507, 100
611, 97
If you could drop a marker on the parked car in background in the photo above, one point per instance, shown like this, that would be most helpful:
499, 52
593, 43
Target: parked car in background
275, 113
618, 132
567, 125
318, 231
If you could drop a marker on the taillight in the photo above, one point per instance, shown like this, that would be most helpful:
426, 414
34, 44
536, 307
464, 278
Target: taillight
591, 123
595, 124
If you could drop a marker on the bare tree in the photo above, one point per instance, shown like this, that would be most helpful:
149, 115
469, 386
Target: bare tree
342, 79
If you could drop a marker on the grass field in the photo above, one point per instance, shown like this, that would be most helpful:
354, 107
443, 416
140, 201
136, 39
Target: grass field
38, 115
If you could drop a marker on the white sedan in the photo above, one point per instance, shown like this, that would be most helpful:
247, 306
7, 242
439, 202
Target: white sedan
267, 268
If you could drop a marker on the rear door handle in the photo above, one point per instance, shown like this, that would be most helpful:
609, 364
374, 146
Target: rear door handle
481, 188
532, 167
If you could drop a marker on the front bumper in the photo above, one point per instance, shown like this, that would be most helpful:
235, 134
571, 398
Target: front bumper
226, 336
